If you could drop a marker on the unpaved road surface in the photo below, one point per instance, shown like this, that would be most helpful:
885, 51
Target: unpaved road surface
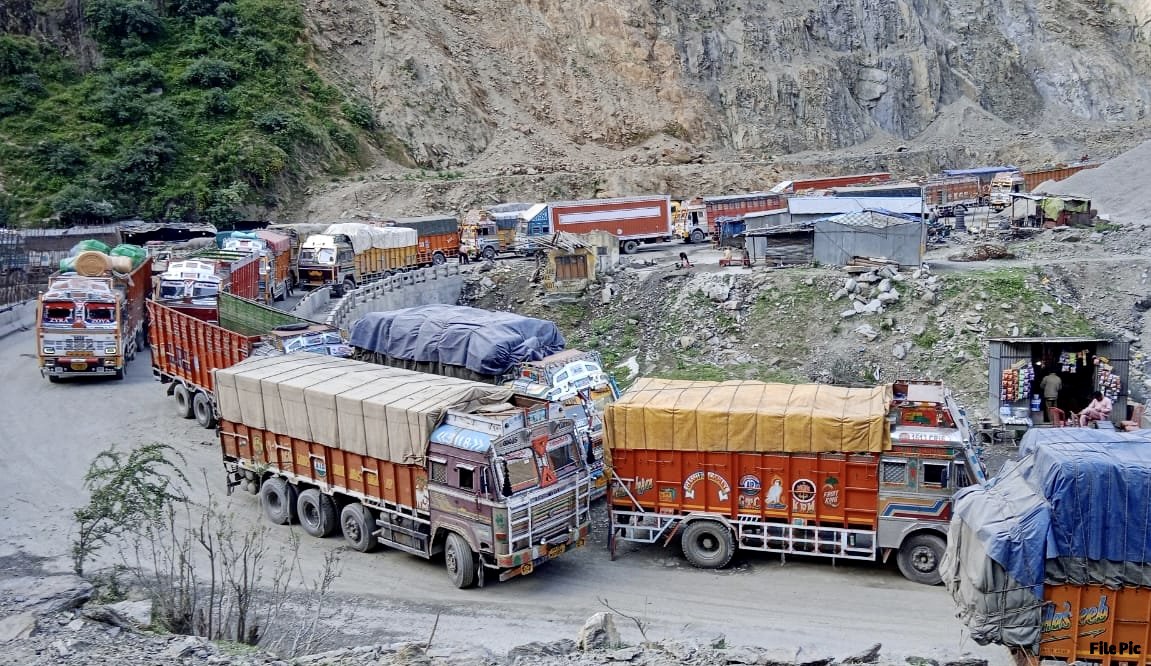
49, 433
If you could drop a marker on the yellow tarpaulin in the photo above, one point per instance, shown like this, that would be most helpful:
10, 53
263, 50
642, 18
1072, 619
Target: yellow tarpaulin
749, 417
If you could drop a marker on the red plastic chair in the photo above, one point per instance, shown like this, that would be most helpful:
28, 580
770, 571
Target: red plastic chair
1058, 418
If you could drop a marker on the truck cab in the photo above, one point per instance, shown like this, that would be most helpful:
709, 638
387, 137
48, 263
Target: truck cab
485, 239
79, 328
690, 221
327, 261
1003, 185
191, 286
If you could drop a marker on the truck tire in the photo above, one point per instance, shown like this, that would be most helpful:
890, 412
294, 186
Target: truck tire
317, 513
358, 527
278, 498
629, 247
696, 236
919, 559
53, 379
488, 252
459, 561
349, 286
183, 401
438, 259
118, 375
141, 339
707, 544
203, 411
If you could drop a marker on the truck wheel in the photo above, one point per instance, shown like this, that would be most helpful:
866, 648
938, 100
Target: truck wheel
438, 259
202, 408
919, 559
489, 252
358, 527
141, 339
183, 401
629, 247
279, 501
707, 544
118, 375
696, 236
317, 513
53, 379
349, 286
459, 561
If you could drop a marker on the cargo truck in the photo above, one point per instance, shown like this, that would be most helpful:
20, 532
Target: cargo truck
424, 464
298, 233
193, 285
807, 185
948, 196
1051, 557
186, 349
824, 471
438, 237
275, 252
499, 348
487, 235
351, 254
633, 220
92, 320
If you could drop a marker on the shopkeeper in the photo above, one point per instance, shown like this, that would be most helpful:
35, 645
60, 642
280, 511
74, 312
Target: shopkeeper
1098, 410
1052, 384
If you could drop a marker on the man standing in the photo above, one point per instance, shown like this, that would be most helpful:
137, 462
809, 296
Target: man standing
1051, 385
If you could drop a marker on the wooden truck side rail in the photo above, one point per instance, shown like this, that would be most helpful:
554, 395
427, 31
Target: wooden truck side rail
187, 349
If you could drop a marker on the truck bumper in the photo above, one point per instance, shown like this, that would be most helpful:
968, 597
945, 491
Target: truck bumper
79, 365
524, 562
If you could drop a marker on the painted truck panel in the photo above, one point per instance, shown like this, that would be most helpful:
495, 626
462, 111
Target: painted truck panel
952, 190
1078, 619
1032, 179
188, 349
832, 488
839, 181
439, 237
639, 218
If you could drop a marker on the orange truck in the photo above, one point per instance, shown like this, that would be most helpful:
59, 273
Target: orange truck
1051, 557
275, 252
809, 470
92, 320
424, 464
439, 237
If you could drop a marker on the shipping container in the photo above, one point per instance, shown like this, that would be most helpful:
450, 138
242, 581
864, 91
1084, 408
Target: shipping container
632, 220
439, 237
812, 470
809, 184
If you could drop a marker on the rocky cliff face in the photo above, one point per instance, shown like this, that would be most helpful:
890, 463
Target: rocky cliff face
465, 81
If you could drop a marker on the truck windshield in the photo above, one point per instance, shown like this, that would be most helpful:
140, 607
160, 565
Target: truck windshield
58, 312
521, 470
171, 290
205, 290
562, 454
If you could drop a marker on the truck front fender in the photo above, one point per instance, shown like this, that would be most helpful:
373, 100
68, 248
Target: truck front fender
894, 531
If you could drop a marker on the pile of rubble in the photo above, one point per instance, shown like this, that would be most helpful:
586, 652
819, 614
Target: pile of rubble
873, 292
50, 619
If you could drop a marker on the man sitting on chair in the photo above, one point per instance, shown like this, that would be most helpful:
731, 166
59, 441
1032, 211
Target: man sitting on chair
1098, 410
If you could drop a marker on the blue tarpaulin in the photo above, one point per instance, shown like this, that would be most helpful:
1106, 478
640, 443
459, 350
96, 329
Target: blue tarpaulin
1075, 493
485, 342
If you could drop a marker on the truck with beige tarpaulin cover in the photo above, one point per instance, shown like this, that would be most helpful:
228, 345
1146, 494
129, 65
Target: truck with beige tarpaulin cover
421, 463
844, 473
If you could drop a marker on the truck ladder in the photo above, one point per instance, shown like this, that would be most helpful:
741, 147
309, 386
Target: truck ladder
752, 533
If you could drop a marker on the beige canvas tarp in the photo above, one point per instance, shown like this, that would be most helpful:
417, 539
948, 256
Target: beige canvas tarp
383, 412
748, 417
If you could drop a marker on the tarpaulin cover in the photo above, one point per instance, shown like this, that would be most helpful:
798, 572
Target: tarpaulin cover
429, 225
485, 342
1076, 508
746, 416
276, 241
365, 236
383, 412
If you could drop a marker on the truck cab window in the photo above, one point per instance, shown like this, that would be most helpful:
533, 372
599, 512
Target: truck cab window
439, 471
562, 456
522, 471
960, 477
935, 474
466, 477
894, 472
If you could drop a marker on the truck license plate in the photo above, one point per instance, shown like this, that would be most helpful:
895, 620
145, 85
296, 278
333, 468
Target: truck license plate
79, 365
556, 551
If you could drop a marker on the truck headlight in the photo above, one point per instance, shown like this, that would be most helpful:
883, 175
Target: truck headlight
49, 350
110, 351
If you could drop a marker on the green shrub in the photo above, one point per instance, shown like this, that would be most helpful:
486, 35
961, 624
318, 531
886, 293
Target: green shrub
210, 73
18, 54
60, 157
359, 113
78, 205
123, 23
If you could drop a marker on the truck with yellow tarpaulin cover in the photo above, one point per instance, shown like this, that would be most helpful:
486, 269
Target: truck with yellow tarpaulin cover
818, 470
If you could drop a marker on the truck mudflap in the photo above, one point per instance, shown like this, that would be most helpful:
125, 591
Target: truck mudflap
524, 562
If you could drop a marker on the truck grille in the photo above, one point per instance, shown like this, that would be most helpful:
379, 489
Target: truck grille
79, 344
548, 517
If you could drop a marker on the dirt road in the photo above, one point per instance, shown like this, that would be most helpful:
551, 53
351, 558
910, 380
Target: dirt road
50, 432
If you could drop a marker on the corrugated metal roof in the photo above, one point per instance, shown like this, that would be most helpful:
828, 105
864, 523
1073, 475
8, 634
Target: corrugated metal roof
837, 205
784, 229
1045, 340
870, 218
533, 211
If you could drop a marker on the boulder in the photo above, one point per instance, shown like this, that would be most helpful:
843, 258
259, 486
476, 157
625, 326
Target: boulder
850, 285
739, 655
15, 627
687, 342
899, 351
1046, 309
625, 654
867, 332
884, 285
868, 656
47, 594
599, 633
732, 305
842, 293
138, 612
848, 313
718, 292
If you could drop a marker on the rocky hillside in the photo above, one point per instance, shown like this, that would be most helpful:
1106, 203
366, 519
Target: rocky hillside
498, 88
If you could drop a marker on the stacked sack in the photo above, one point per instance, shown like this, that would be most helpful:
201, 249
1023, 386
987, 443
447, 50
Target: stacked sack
93, 258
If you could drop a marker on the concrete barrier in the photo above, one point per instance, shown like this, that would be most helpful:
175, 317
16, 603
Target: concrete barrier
438, 284
315, 306
17, 317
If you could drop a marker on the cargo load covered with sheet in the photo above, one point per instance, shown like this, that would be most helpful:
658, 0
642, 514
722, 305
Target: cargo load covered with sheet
1053, 556
851, 473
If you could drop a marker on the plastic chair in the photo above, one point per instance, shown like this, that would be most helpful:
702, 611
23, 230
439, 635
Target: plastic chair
1058, 418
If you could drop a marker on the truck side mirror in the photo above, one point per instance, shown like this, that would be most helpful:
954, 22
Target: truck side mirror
590, 451
507, 487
